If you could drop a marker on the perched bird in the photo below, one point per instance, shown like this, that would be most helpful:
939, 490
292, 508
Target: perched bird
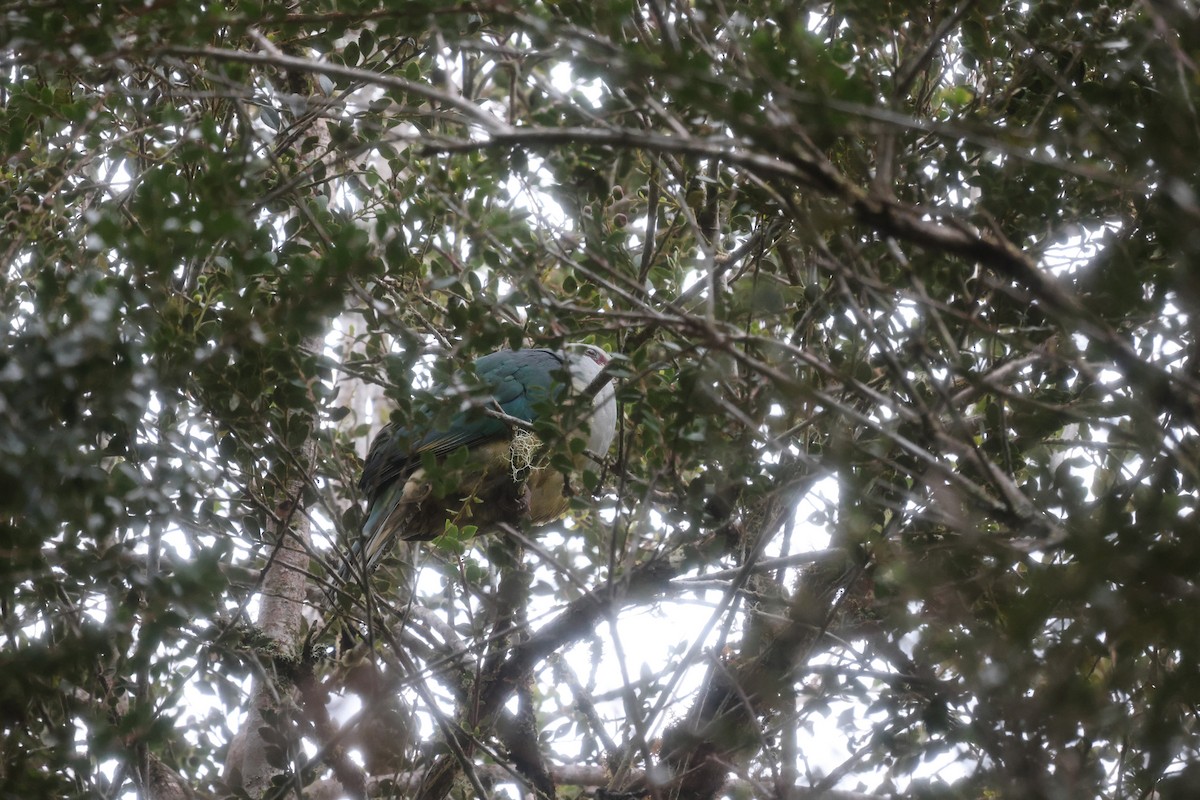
417, 480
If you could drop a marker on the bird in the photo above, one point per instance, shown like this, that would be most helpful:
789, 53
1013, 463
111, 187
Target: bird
483, 469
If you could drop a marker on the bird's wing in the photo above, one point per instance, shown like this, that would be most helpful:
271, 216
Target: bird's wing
520, 381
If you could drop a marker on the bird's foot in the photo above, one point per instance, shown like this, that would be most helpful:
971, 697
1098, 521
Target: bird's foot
524, 501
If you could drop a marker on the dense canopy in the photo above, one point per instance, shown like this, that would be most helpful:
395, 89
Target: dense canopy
902, 302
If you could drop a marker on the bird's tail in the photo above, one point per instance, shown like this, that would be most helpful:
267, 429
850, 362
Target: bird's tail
378, 535
352, 583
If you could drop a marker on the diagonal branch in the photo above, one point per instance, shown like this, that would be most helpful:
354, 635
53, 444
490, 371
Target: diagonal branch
721, 729
573, 624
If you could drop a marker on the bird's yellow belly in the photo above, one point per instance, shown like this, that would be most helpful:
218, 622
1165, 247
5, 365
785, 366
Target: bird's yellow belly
498, 485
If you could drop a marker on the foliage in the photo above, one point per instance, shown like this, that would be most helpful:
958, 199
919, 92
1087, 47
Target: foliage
904, 296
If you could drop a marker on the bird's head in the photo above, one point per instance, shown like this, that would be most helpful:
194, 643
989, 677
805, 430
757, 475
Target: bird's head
578, 351
585, 362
